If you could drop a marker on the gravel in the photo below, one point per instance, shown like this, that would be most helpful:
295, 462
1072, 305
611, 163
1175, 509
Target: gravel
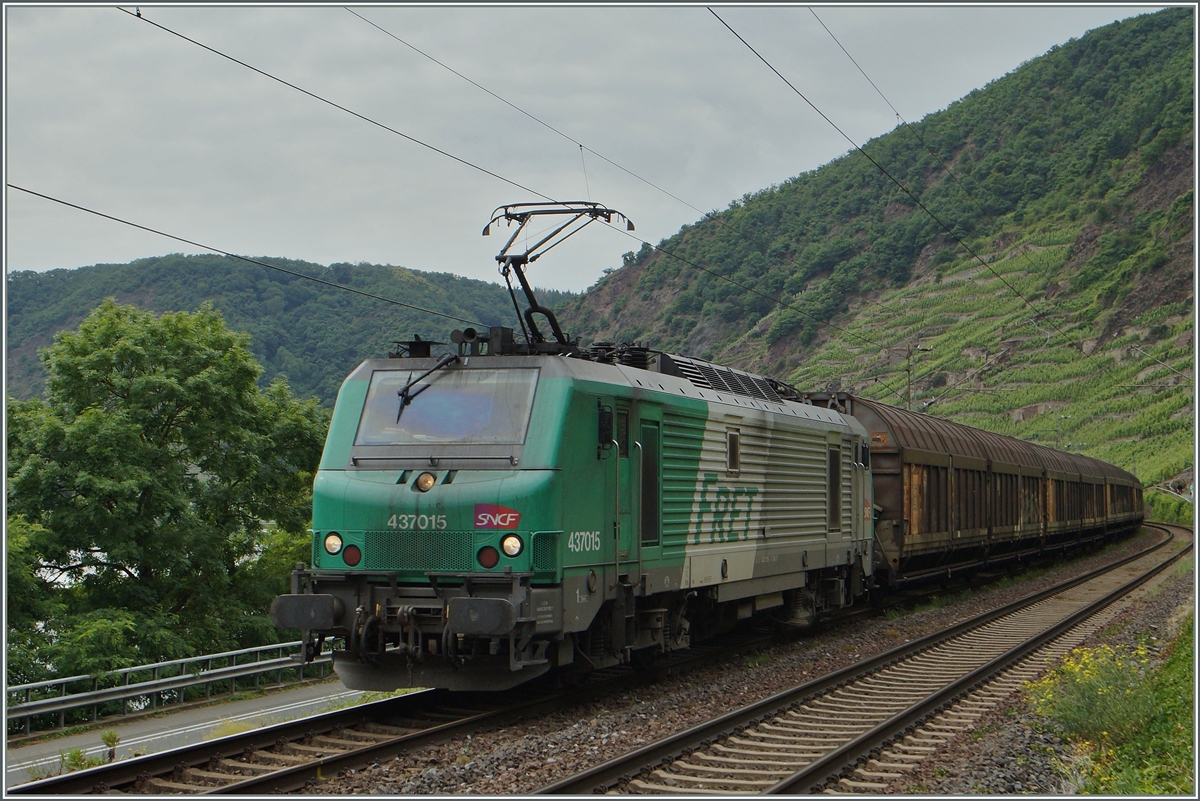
1014, 750
524, 757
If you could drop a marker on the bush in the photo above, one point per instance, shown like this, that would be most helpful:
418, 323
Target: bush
1098, 694
1166, 508
1133, 729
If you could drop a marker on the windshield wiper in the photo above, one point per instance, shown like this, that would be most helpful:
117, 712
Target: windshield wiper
406, 397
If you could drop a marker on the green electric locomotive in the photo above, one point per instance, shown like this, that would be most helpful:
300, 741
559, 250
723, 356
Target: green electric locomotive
487, 514
520, 512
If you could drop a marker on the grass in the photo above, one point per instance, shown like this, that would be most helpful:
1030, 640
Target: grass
370, 698
1132, 725
228, 727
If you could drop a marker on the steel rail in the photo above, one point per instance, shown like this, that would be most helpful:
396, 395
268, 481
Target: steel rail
486, 715
604, 776
813, 777
127, 771
326, 767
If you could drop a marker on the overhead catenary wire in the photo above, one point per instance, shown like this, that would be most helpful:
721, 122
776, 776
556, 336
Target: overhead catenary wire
877, 165
340, 107
582, 147
246, 258
953, 176
901, 186
718, 275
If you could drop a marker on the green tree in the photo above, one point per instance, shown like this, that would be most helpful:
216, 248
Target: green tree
146, 483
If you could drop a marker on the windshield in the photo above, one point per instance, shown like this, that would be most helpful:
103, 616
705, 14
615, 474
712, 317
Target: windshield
467, 406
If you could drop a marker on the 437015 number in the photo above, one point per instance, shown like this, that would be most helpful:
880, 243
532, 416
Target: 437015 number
580, 541
418, 522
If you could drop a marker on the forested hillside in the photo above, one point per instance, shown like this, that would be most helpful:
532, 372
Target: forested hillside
309, 333
1071, 182
1064, 315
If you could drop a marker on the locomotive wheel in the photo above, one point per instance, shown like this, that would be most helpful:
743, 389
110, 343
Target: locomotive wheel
802, 610
643, 658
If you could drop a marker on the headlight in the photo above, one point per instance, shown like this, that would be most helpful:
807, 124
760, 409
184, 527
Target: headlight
333, 543
425, 482
511, 545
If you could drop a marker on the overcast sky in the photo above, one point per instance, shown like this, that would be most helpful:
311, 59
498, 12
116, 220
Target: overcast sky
104, 110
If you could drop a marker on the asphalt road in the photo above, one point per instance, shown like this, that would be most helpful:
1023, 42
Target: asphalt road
156, 734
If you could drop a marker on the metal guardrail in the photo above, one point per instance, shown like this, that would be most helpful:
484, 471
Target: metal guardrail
149, 693
1167, 489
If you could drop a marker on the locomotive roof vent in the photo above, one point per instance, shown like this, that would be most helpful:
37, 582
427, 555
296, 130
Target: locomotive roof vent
707, 375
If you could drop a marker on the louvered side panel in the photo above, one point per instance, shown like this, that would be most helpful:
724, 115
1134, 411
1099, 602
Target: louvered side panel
683, 440
795, 488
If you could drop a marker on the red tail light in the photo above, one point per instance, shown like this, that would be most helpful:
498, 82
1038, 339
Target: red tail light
488, 556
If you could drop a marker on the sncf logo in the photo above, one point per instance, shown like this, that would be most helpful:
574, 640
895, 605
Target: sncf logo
491, 516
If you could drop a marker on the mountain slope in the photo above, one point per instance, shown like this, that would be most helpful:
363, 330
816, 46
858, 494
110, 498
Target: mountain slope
310, 333
1072, 184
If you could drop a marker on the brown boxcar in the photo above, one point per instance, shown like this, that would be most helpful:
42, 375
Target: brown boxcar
949, 497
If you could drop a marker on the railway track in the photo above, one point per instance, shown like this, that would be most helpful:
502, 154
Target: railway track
861, 727
291, 755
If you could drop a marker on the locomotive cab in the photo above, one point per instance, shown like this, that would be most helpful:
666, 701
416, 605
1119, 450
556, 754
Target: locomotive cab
435, 526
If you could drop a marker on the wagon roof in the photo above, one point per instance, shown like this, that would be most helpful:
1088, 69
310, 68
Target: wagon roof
924, 433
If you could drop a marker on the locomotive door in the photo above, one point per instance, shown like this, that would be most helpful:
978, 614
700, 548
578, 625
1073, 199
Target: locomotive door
648, 452
632, 484
626, 541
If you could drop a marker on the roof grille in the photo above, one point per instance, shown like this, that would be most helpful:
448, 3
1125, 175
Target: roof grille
723, 379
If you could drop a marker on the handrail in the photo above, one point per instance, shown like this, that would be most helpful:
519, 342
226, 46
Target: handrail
155, 666
126, 691
154, 687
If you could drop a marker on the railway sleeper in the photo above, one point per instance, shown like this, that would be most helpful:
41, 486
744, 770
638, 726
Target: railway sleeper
932, 740
210, 776
879, 708
711, 770
638, 785
381, 728
944, 727
415, 724
280, 758
805, 755
861, 786
834, 738
309, 751
703, 781
825, 731
447, 715
791, 725
337, 742
362, 736
246, 768
167, 786
803, 748
758, 761
892, 767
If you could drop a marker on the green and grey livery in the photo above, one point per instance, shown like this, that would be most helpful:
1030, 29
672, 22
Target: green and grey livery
503, 515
